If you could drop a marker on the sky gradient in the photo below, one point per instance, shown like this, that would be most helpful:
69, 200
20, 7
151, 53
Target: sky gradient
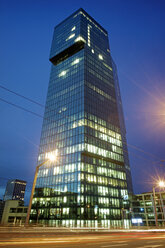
137, 41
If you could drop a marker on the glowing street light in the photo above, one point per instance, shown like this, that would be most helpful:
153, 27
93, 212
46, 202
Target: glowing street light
49, 156
160, 184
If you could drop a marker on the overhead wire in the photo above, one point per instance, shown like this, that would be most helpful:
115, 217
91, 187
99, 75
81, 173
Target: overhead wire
141, 150
40, 116
22, 96
20, 107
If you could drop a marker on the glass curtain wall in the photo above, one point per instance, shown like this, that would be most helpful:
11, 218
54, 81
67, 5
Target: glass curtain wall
87, 184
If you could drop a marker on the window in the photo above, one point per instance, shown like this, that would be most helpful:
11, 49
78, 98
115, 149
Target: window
79, 38
73, 28
13, 210
19, 210
11, 219
100, 57
63, 73
70, 37
76, 61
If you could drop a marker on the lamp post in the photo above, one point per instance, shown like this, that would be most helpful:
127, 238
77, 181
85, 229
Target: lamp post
50, 157
156, 217
160, 184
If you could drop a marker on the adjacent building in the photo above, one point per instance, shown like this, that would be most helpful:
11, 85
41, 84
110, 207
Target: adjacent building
15, 190
89, 183
2, 203
143, 208
14, 213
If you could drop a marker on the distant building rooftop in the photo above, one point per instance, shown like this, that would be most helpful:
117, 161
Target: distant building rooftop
15, 190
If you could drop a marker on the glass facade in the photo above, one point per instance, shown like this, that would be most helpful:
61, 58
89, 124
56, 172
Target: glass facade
143, 208
88, 183
15, 190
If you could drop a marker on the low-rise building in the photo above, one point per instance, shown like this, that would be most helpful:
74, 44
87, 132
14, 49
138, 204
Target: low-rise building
2, 203
143, 208
14, 212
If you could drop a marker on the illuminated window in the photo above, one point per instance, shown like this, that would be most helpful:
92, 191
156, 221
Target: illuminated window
70, 37
89, 41
63, 109
73, 28
76, 61
81, 13
100, 57
63, 73
66, 210
110, 68
80, 38
92, 51
45, 172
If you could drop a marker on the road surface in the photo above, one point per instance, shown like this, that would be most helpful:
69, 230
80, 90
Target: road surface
82, 240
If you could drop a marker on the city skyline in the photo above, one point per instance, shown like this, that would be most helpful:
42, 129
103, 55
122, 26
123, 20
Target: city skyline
151, 140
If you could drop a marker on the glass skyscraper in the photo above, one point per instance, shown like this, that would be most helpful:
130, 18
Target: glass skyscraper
89, 183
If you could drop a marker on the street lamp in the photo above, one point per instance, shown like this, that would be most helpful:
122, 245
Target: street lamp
159, 184
50, 156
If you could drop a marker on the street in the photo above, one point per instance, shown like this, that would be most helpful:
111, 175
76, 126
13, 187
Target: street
82, 239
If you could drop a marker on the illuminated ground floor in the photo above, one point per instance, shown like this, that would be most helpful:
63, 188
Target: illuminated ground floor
90, 193
85, 223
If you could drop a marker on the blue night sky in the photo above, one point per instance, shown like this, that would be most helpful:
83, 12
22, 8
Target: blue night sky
137, 40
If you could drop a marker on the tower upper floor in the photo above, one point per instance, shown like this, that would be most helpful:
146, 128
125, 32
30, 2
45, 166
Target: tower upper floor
76, 32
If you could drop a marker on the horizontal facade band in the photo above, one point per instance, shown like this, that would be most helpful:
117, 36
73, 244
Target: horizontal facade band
68, 52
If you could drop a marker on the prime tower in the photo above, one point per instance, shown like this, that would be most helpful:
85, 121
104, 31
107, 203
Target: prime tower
89, 182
